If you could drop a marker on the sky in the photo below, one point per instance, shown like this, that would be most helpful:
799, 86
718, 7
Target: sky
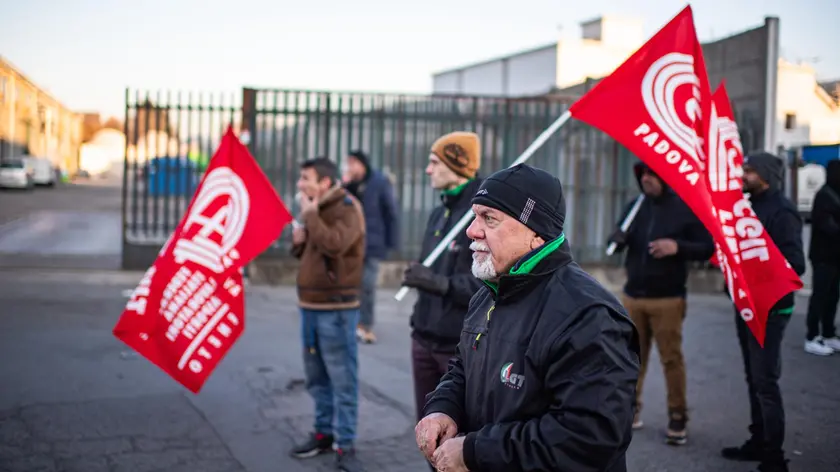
86, 52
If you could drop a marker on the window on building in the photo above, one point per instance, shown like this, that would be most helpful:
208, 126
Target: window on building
790, 120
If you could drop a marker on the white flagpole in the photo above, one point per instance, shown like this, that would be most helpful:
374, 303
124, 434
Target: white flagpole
462, 223
628, 220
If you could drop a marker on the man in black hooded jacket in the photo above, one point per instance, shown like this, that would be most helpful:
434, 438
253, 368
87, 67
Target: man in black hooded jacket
664, 237
821, 338
763, 177
548, 359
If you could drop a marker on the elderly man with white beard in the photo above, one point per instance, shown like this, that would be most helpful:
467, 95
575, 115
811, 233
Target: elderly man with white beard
547, 364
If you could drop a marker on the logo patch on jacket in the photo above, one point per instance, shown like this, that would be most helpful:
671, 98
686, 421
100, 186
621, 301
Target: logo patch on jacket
509, 379
454, 247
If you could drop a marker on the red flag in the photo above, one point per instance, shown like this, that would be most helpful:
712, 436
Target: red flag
767, 276
189, 309
657, 104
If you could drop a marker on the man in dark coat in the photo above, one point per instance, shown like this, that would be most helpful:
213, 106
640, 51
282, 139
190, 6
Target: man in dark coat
373, 189
821, 338
663, 239
445, 288
548, 360
763, 177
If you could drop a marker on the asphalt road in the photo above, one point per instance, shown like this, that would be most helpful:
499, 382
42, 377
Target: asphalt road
73, 398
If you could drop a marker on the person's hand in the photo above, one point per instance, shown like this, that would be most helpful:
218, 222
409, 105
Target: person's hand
299, 235
423, 278
619, 237
449, 457
308, 204
432, 430
662, 248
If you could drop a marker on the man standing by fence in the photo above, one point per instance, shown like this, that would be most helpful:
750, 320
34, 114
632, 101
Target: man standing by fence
331, 246
376, 194
663, 238
445, 288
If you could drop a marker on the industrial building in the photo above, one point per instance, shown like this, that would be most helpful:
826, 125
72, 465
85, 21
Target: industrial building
34, 122
803, 111
604, 44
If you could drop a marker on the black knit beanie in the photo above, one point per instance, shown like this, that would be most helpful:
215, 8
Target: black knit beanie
531, 195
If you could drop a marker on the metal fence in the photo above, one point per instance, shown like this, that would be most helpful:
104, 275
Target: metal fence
396, 131
170, 138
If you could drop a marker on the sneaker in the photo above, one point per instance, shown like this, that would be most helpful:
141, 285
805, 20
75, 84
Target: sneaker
677, 435
833, 343
347, 461
750, 451
637, 419
315, 445
817, 347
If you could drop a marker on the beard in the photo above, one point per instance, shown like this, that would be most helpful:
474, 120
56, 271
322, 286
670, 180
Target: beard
482, 268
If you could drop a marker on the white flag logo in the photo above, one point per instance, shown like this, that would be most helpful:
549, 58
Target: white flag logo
659, 87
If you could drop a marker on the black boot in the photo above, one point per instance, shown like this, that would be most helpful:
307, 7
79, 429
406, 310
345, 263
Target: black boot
751, 451
773, 465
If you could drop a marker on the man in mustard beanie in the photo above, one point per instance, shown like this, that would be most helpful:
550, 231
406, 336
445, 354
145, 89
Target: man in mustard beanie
445, 288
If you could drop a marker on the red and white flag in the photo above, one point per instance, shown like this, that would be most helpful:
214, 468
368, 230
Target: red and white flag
189, 308
658, 105
767, 275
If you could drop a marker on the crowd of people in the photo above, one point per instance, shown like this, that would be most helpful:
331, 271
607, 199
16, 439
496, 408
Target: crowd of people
521, 360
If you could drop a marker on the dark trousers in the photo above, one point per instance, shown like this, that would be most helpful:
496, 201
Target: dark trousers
428, 366
368, 298
763, 367
822, 307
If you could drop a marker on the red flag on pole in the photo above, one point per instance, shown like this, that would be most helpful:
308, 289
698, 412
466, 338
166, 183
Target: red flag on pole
189, 308
767, 275
657, 104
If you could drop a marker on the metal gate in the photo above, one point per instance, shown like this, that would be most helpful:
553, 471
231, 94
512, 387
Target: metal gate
171, 137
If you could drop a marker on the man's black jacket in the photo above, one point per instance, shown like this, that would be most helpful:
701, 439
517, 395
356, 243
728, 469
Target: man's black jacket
436, 320
666, 216
783, 224
825, 219
546, 370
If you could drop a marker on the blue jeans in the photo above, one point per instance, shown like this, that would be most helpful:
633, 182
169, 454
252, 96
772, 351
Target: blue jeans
368, 298
330, 362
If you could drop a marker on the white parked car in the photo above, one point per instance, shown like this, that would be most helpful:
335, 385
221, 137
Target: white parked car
43, 172
14, 173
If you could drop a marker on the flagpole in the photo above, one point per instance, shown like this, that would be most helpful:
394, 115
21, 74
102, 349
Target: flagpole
462, 223
628, 220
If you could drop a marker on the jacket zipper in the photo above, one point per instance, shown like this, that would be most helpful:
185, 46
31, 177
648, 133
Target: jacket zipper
646, 252
486, 327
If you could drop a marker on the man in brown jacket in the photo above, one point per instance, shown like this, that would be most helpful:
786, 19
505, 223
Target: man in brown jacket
330, 244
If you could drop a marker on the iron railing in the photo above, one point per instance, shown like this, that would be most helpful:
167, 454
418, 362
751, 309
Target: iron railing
396, 131
171, 136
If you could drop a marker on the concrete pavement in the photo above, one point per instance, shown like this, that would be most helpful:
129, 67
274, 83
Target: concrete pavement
75, 398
